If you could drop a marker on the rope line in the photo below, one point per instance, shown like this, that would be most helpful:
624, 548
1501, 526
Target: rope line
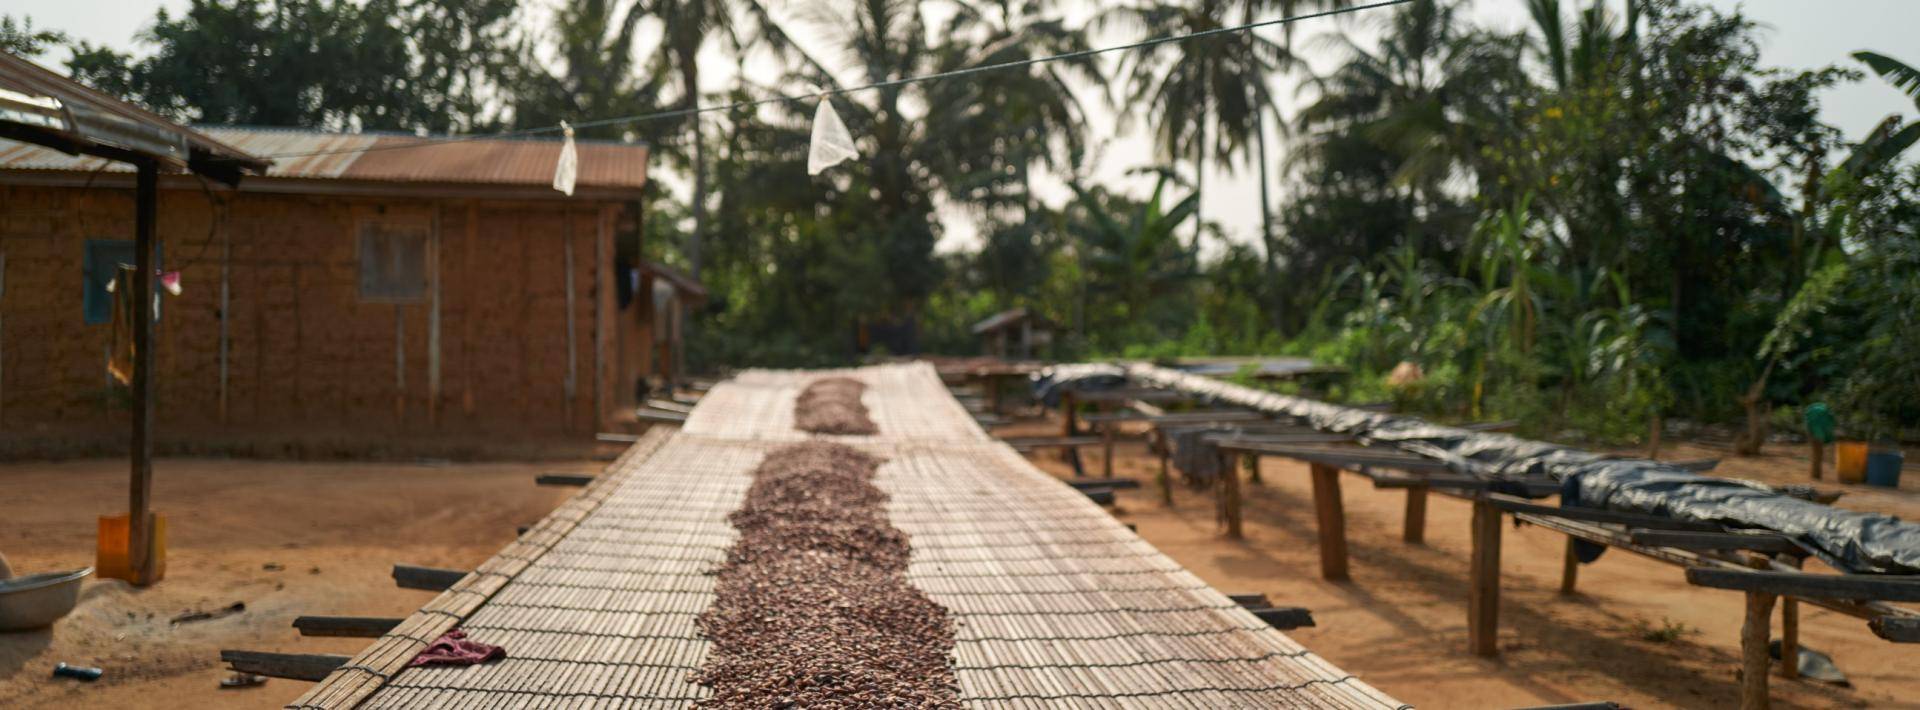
888, 84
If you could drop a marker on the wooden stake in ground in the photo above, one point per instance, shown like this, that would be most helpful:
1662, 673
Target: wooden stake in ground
1570, 566
1483, 592
1331, 517
1414, 530
1753, 651
140, 494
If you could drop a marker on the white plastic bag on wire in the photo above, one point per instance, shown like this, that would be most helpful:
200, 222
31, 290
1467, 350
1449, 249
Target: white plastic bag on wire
569, 167
832, 144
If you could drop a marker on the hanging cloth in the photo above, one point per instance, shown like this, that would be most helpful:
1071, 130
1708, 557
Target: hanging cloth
569, 167
832, 144
120, 355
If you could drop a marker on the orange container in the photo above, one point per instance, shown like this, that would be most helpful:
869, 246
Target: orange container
110, 557
1850, 461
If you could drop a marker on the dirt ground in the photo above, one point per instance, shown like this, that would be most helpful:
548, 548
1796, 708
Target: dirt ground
292, 538
285, 538
1400, 623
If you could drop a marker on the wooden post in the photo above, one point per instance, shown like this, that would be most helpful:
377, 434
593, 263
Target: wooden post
140, 493
468, 313
1067, 426
1106, 449
433, 320
1253, 468
226, 303
1414, 531
1819, 457
1166, 477
1753, 651
993, 383
1483, 592
569, 386
1569, 567
1332, 518
1789, 630
1230, 493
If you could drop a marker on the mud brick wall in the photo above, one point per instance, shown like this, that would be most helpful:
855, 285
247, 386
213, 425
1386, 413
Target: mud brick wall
306, 353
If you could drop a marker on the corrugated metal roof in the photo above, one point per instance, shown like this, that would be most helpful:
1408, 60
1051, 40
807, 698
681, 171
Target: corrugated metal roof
379, 158
94, 118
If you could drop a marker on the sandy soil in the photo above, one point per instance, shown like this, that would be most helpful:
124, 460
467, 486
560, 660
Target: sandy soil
1400, 623
285, 538
334, 529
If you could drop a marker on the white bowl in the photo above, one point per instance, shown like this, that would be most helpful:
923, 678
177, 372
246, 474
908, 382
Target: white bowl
38, 600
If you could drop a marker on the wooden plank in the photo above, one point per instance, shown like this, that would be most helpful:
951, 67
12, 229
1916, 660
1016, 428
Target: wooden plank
432, 579
1028, 443
1105, 484
1483, 592
347, 626
1570, 567
1331, 517
649, 414
562, 479
1106, 450
1757, 542
1414, 524
1284, 618
1754, 656
1790, 632
1898, 629
1343, 457
1253, 601
616, 438
1801, 584
1695, 465
1102, 496
1230, 494
1165, 476
1598, 515
1278, 438
296, 666
1131, 393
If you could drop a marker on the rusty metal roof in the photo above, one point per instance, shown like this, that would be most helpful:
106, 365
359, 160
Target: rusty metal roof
50, 109
388, 158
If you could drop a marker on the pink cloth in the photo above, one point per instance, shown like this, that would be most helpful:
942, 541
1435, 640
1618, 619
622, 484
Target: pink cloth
454, 649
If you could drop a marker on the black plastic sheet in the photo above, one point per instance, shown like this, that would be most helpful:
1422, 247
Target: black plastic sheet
1849, 540
1050, 382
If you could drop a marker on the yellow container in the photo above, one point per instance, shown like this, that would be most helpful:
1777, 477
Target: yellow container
110, 557
1850, 461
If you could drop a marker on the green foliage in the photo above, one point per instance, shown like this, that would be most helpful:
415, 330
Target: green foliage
19, 37
1612, 215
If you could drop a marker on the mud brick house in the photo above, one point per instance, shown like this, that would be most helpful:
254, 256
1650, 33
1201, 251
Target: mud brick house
367, 286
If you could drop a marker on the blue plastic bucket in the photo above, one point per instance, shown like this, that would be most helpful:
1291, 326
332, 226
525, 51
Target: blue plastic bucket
1883, 468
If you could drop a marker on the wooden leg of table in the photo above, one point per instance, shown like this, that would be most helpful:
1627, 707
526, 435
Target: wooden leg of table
1253, 468
993, 393
1753, 651
1414, 530
1819, 458
1106, 448
1332, 519
1230, 478
1483, 593
1569, 568
1790, 633
1166, 477
1067, 415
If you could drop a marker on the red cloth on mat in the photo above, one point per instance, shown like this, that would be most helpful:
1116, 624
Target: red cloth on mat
454, 649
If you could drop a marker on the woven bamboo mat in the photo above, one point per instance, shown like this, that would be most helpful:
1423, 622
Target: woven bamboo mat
906, 401
1057, 604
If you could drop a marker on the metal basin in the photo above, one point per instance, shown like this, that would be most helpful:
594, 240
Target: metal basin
37, 600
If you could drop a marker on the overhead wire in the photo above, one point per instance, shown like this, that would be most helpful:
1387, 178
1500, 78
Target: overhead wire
825, 93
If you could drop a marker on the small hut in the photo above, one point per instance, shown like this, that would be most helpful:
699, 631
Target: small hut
1014, 334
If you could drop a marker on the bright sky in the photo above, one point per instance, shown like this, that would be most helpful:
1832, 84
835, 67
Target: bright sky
1798, 34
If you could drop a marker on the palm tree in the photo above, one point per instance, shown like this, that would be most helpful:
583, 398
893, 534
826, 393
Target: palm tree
1216, 84
687, 26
